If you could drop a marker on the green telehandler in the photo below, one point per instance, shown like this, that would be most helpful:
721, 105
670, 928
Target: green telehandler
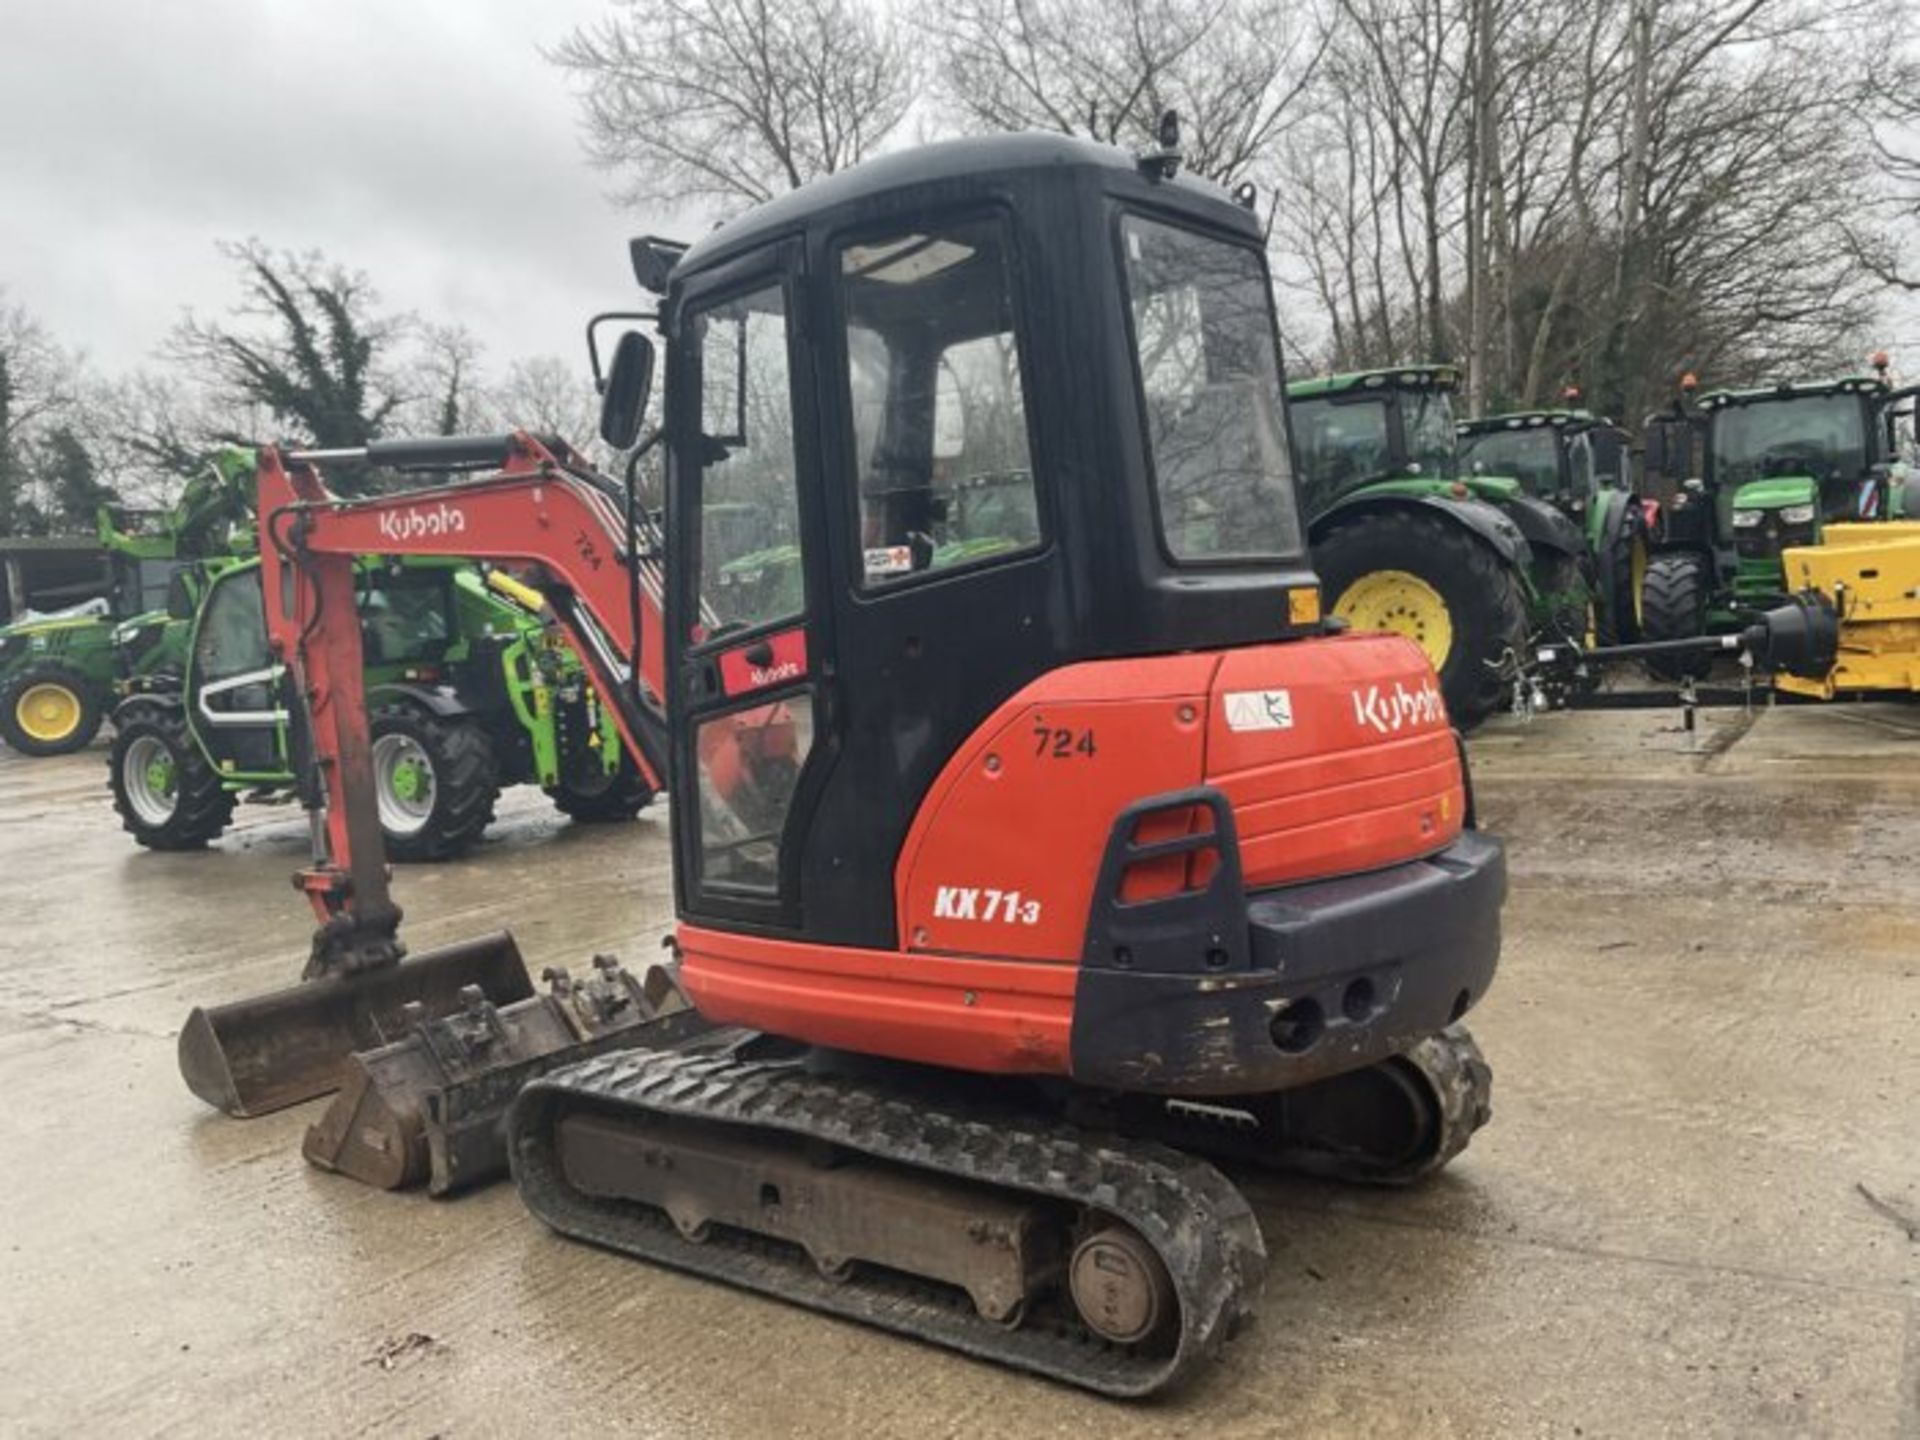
57, 672
468, 690
1470, 566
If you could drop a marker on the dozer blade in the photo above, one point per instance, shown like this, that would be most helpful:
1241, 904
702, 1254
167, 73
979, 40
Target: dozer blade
433, 1106
274, 1050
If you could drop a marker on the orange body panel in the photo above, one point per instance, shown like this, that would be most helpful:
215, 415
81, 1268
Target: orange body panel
973, 1014
1345, 763
1368, 774
1356, 770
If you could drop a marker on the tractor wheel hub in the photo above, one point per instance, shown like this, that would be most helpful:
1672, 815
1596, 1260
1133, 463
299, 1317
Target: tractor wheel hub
1402, 603
48, 712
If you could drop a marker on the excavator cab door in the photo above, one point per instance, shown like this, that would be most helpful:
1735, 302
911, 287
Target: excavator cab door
742, 638
233, 682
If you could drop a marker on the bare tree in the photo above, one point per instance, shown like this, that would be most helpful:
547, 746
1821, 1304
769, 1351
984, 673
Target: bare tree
731, 101
312, 351
1603, 191
546, 396
38, 386
445, 392
1235, 71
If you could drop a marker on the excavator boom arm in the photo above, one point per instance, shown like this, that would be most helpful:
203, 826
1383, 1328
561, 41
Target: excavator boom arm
535, 511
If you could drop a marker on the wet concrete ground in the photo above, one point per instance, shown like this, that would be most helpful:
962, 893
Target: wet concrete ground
1703, 1042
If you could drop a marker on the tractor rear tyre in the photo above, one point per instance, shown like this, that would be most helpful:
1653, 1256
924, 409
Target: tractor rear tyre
167, 795
435, 779
50, 709
594, 797
1439, 584
1673, 606
1622, 563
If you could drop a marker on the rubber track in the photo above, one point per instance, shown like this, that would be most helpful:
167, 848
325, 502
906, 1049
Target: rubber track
1450, 1067
1199, 1224
1452, 1063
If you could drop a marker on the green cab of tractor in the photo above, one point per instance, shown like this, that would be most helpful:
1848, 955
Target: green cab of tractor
1752, 474
468, 693
1579, 463
1470, 566
58, 672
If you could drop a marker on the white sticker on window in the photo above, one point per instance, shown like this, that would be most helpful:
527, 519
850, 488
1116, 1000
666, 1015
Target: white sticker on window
1259, 710
889, 560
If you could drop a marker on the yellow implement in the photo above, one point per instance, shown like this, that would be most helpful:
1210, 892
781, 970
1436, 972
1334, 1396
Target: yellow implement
1870, 574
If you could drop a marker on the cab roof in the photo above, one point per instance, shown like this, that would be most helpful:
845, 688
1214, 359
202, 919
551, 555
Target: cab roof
957, 171
1528, 419
1875, 385
1394, 377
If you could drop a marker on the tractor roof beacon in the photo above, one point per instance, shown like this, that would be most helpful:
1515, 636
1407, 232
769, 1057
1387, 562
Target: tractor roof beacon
1052, 809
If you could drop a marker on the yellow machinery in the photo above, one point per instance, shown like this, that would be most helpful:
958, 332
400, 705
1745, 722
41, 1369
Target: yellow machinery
1870, 574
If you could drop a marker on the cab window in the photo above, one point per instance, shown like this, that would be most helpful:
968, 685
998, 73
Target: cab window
747, 562
232, 639
1209, 371
933, 375
403, 617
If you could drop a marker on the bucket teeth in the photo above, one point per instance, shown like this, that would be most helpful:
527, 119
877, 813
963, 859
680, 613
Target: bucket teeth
431, 1105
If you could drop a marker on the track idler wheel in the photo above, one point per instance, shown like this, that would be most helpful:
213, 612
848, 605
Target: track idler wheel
1389, 1124
1120, 1287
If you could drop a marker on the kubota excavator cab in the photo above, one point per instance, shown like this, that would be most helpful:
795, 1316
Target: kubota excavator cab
1034, 787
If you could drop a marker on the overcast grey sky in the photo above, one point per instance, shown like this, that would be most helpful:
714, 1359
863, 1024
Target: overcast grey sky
423, 141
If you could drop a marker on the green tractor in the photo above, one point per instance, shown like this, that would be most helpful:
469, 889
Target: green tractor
1579, 463
1469, 565
57, 672
1753, 473
467, 689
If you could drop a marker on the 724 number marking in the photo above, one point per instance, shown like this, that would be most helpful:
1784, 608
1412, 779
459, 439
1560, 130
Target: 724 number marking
1055, 742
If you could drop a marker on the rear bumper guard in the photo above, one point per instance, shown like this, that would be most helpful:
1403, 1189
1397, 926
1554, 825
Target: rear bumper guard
1218, 992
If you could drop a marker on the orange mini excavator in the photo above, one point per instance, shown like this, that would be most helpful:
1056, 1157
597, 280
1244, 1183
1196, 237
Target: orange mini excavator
1035, 837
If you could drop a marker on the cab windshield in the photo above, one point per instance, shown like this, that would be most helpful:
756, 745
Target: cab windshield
1823, 436
1428, 418
1530, 455
1209, 372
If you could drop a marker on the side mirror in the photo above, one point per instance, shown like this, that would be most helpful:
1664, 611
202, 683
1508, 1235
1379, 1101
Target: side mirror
623, 401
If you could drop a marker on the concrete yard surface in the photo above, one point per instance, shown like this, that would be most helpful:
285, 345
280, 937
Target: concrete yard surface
1696, 1209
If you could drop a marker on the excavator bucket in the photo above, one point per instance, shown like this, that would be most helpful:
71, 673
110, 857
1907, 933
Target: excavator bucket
432, 1106
270, 1051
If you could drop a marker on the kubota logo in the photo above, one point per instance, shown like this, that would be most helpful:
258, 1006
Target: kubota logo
417, 522
773, 674
1390, 711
